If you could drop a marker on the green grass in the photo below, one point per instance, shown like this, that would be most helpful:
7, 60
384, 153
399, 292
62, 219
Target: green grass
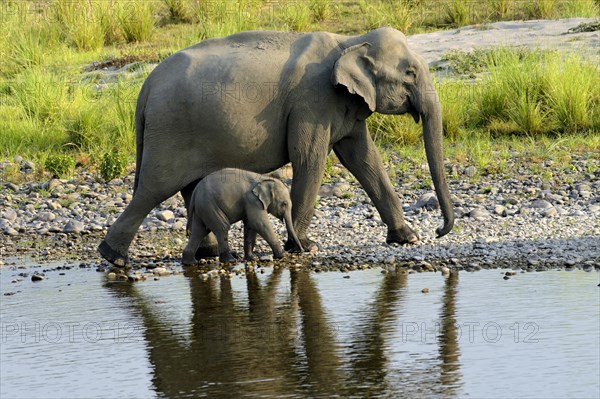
522, 92
50, 104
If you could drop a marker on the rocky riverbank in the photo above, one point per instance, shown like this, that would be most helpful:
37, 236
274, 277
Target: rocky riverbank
523, 219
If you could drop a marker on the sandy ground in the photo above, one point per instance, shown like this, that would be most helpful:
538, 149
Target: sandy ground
545, 34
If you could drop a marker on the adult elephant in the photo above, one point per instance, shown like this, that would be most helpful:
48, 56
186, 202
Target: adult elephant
258, 100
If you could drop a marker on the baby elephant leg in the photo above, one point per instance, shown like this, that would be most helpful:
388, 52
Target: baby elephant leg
222, 234
262, 225
249, 242
199, 231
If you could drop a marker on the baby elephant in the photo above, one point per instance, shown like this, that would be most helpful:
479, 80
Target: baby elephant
230, 195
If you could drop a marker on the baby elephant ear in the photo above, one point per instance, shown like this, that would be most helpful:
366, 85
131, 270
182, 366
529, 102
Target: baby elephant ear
264, 192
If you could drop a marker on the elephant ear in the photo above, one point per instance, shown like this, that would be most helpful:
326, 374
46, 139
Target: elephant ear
354, 70
264, 192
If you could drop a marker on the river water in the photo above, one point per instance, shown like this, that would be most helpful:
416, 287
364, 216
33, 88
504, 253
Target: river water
297, 334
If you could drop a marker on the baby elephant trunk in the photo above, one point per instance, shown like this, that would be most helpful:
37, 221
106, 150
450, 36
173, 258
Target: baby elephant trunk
290, 229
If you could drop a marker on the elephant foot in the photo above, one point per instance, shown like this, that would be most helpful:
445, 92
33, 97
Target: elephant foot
308, 245
188, 259
207, 252
111, 255
279, 254
403, 235
227, 257
250, 257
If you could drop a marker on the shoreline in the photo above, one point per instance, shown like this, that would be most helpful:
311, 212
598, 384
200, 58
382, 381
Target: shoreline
525, 222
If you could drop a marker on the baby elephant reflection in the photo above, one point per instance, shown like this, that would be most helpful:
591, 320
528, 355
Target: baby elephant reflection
230, 195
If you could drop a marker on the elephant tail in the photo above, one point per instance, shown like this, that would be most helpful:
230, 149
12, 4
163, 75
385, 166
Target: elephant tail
140, 122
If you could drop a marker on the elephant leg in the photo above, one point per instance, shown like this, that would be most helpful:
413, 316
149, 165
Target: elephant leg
249, 242
115, 246
359, 154
308, 147
199, 231
208, 247
260, 223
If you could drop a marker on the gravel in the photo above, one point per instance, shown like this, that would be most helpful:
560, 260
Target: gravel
517, 222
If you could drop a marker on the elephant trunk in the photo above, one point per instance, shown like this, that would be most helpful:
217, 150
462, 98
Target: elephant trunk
290, 229
431, 115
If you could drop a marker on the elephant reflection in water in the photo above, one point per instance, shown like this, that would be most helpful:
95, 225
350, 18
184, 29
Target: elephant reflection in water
282, 343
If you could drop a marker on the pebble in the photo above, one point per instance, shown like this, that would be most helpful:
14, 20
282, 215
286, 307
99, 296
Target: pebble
428, 201
425, 290
470, 171
37, 277
73, 226
479, 214
165, 215
540, 204
9, 215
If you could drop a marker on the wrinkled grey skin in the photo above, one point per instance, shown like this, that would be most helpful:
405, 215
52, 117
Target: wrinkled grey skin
258, 100
230, 195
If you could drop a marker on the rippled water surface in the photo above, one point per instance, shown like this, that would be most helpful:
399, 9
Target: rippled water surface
298, 334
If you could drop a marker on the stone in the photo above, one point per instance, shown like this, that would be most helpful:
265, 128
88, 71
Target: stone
27, 166
340, 190
479, 214
11, 232
390, 260
46, 216
500, 210
470, 171
425, 290
428, 201
165, 215
37, 277
550, 212
53, 205
73, 226
52, 184
540, 204
10, 215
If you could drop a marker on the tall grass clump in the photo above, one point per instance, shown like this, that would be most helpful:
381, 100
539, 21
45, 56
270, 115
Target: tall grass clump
179, 10
542, 9
397, 14
389, 130
573, 94
581, 8
222, 18
502, 8
321, 10
458, 13
533, 92
80, 22
40, 94
297, 17
456, 107
136, 20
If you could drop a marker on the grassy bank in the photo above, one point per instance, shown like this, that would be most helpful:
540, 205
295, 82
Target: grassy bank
56, 96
